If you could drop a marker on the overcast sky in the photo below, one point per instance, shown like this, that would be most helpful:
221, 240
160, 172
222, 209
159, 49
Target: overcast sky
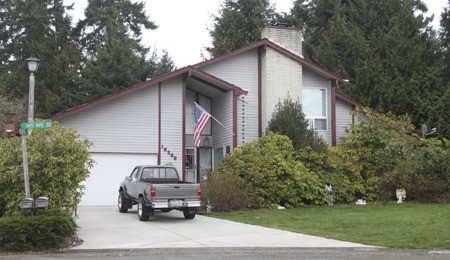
183, 24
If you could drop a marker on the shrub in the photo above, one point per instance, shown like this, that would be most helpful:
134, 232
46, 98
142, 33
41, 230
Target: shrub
45, 231
288, 119
270, 172
58, 161
226, 192
425, 174
372, 150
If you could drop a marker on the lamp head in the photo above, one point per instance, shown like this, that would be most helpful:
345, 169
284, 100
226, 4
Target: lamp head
33, 63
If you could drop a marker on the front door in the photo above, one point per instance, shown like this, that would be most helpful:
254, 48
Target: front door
205, 161
190, 165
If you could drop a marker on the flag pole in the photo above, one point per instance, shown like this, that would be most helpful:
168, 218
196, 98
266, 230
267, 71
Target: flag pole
215, 119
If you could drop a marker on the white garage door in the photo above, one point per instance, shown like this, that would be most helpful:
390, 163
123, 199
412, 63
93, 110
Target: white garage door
109, 171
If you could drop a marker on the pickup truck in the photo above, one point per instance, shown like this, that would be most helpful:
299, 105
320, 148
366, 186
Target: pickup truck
158, 188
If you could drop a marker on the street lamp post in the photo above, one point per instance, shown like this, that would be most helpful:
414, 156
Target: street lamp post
33, 64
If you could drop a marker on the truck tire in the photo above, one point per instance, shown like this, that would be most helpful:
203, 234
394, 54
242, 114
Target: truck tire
122, 203
189, 214
143, 210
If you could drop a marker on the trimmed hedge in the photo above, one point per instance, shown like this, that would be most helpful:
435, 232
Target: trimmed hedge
49, 229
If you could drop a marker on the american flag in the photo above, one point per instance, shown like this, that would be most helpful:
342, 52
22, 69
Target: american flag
201, 120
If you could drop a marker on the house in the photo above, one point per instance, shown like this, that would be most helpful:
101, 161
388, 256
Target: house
152, 122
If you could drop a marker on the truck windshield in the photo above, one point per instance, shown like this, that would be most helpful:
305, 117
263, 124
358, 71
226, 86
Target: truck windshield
158, 173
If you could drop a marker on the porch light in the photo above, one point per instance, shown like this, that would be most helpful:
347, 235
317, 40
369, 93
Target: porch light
206, 141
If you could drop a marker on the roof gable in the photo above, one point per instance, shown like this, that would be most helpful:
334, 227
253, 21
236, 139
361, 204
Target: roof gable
349, 100
190, 71
195, 71
265, 43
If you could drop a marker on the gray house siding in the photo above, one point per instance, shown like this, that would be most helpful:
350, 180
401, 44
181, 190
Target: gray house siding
171, 122
125, 125
314, 80
242, 71
343, 118
222, 109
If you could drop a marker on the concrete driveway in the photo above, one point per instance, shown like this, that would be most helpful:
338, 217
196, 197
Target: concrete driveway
103, 227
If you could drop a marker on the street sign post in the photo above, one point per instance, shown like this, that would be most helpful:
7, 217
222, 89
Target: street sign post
23, 131
34, 125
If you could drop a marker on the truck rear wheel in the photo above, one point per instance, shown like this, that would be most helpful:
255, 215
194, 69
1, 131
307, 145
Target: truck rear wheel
143, 210
189, 214
122, 202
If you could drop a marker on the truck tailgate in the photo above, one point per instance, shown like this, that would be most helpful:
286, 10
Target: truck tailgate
176, 191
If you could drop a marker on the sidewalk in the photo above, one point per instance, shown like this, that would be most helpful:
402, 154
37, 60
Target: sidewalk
105, 228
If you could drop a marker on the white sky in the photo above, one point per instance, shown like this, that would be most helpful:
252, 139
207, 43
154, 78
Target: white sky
183, 24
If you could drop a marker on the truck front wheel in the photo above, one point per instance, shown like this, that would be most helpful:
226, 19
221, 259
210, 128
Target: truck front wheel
143, 210
122, 203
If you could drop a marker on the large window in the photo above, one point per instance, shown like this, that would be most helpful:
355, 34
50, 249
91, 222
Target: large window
190, 111
315, 107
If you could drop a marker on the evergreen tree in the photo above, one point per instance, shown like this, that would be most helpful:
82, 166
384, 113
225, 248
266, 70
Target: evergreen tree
445, 41
111, 39
106, 18
443, 121
160, 66
239, 24
11, 112
39, 27
288, 119
385, 48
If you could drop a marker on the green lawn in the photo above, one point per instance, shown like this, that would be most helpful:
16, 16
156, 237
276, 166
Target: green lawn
406, 225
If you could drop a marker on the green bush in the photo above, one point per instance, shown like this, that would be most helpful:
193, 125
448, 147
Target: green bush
36, 232
372, 150
271, 173
58, 161
226, 192
332, 168
289, 119
425, 174
381, 155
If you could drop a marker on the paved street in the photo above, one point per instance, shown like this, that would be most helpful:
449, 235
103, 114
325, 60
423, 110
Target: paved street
240, 253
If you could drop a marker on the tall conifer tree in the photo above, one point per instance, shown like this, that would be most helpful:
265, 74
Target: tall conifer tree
111, 38
39, 27
385, 48
239, 24
444, 106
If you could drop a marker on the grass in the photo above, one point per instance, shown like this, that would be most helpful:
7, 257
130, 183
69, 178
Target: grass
407, 225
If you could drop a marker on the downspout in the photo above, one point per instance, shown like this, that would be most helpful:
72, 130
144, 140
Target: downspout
235, 121
333, 111
159, 124
261, 50
197, 149
183, 126
353, 114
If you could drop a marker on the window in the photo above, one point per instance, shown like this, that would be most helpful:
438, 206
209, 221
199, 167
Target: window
147, 173
190, 111
315, 107
159, 173
134, 173
218, 156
